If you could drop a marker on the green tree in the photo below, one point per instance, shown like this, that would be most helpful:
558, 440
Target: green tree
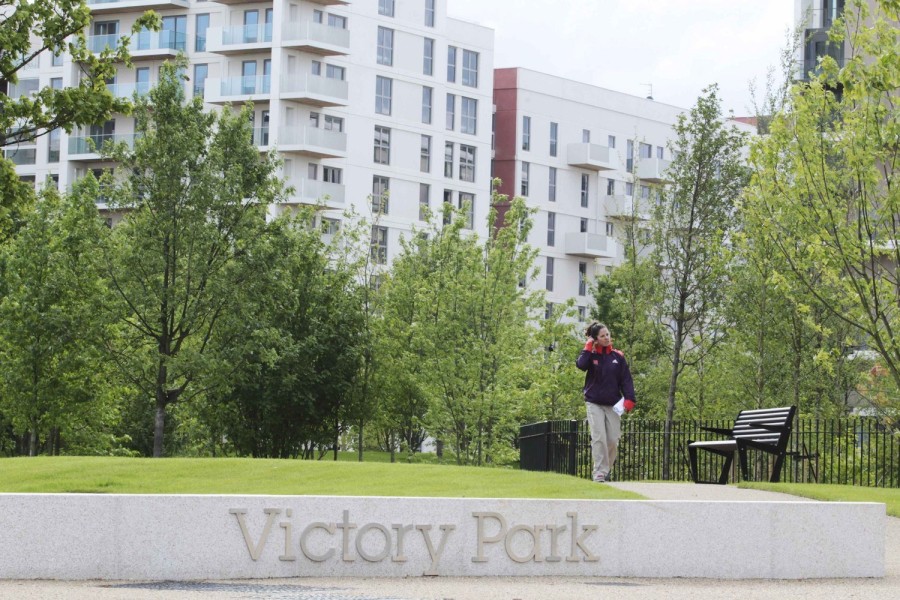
194, 191
692, 223
823, 188
51, 367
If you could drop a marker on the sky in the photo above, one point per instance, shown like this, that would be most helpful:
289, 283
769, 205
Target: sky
677, 46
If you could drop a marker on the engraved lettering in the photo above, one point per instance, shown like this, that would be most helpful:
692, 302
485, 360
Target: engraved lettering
435, 556
346, 525
387, 542
255, 549
330, 528
555, 530
481, 538
534, 533
402, 530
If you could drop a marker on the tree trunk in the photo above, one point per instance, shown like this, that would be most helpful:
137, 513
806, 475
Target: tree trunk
158, 428
670, 405
359, 442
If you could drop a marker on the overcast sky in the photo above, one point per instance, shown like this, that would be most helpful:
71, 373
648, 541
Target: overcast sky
678, 46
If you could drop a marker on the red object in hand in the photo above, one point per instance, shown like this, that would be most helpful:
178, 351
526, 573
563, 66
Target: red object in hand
589, 345
629, 405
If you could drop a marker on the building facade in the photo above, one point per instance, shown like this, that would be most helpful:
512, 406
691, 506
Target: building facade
382, 106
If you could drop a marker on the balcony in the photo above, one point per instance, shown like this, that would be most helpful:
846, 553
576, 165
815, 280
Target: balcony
128, 90
86, 148
25, 87
20, 156
239, 39
261, 138
102, 7
653, 170
316, 38
592, 156
315, 90
237, 89
313, 141
145, 45
589, 245
313, 192
620, 206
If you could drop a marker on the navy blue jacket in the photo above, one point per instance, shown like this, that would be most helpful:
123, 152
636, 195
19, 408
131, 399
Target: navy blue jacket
607, 376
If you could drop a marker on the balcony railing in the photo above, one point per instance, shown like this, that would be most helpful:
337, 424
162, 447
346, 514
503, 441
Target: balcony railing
261, 136
313, 141
627, 207
589, 245
127, 90
653, 170
99, 7
592, 156
232, 88
311, 191
239, 38
20, 156
315, 89
144, 44
89, 146
316, 38
25, 87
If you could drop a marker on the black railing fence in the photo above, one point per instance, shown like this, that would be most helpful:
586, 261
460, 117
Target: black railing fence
852, 450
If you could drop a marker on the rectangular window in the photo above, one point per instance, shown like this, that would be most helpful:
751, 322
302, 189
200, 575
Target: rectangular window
582, 278
318, 16
470, 68
380, 189
334, 72
585, 136
551, 190
56, 83
424, 196
332, 174
645, 192
554, 138
427, 98
646, 150
467, 163
385, 46
548, 311
526, 133
330, 226
447, 206
142, 80
448, 159
526, 167
451, 64
467, 206
549, 274
382, 145
451, 111
629, 188
583, 225
202, 24
551, 229
610, 187
248, 77
200, 73
468, 119
332, 123
609, 229
425, 159
315, 67
57, 60
582, 313
428, 57
337, 21
383, 93
629, 156
659, 152
53, 146
585, 189
429, 13
379, 245
611, 141
386, 8
312, 170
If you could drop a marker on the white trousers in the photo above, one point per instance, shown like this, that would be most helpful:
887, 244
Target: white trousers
606, 429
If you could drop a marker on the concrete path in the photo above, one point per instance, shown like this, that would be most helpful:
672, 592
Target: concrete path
532, 588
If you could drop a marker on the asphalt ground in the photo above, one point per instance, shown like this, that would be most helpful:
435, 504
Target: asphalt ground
497, 588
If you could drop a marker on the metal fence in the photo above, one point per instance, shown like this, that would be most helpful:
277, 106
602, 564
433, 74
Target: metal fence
853, 450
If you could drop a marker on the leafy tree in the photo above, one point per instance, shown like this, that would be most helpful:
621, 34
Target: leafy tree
51, 367
692, 223
194, 192
824, 190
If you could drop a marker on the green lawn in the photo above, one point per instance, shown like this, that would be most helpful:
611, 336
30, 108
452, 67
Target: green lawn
836, 493
279, 477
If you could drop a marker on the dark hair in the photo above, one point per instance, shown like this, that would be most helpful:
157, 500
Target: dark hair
593, 330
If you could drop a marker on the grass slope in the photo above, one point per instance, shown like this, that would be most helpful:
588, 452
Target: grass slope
286, 477
836, 493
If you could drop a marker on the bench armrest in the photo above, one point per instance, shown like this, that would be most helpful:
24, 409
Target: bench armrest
718, 430
771, 427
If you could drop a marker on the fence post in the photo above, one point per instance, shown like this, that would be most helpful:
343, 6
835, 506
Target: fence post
573, 447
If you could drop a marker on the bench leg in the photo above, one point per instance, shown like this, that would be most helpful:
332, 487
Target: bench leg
726, 468
692, 453
745, 470
776, 470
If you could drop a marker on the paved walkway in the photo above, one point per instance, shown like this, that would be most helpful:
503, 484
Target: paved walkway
530, 588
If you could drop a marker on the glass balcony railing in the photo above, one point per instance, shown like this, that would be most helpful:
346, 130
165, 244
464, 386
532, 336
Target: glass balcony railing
261, 136
141, 42
21, 156
315, 33
246, 86
247, 34
91, 144
328, 141
25, 87
127, 90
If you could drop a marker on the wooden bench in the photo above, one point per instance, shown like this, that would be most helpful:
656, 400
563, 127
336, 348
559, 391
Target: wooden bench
767, 430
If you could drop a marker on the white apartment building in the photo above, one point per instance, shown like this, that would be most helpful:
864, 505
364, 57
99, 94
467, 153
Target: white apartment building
588, 159
359, 98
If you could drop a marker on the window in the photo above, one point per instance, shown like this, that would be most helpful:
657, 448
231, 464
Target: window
551, 229
467, 163
424, 195
427, 98
629, 156
316, 67
451, 111
332, 123
330, 226
551, 190
583, 225
248, 77
200, 73
610, 187
56, 83
448, 159
609, 229
428, 57
379, 245
611, 141
312, 169
585, 189
380, 190
548, 311
53, 146
629, 188
549, 274
332, 174
645, 150
57, 60
659, 152
383, 93
470, 68
554, 135
386, 8
526, 133
425, 160
467, 205
202, 24
382, 145
142, 80
334, 72
318, 16
585, 136
526, 167
582, 278
468, 118
582, 313
174, 33
451, 64
429, 13
337, 21
385, 46
645, 192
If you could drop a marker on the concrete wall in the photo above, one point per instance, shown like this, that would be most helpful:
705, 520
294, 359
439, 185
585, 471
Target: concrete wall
75, 536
